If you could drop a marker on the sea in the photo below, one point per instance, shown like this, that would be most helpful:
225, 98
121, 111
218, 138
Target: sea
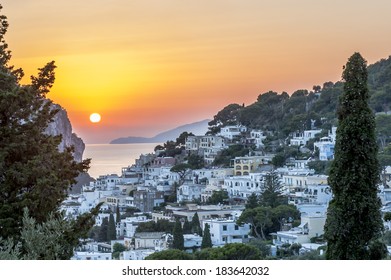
110, 158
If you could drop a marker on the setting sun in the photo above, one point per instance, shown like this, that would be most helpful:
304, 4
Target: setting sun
95, 118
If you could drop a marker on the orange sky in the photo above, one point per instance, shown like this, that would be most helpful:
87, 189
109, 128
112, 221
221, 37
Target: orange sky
151, 65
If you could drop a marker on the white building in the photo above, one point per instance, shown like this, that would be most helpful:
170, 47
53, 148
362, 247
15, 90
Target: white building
91, 256
136, 255
304, 188
311, 226
192, 242
206, 212
127, 227
224, 231
213, 175
108, 182
326, 148
312, 209
232, 131
326, 145
190, 192
257, 137
151, 240
208, 192
250, 164
311, 194
100, 217
207, 146
302, 138
243, 186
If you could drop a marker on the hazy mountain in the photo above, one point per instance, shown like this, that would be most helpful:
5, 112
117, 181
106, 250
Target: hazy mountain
197, 128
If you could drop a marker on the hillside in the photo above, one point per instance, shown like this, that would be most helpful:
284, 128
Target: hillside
282, 114
197, 128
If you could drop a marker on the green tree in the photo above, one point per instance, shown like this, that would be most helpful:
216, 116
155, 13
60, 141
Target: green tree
9, 250
229, 115
149, 226
169, 148
264, 247
232, 251
158, 148
117, 215
272, 193
178, 240
195, 161
162, 225
320, 167
224, 158
196, 225
218, 197
260, 219
278, 160
265, 220
386, 238
54, 239
387, 216
284, 213
111, 229
103, 232
186, 226
206, 239
377, 249
354, 218
172, 197
171, 254
34, 174
118, 248
252, 201
182, 169
316, 88
383, 130
181, 140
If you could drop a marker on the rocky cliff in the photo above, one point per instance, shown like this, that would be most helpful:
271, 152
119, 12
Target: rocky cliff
62, 126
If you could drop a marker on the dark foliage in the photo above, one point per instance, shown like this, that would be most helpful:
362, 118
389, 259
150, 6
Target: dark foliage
354, 219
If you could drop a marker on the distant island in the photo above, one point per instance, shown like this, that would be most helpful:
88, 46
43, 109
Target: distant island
197, 128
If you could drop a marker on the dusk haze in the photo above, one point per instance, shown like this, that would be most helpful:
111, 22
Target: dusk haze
150, 66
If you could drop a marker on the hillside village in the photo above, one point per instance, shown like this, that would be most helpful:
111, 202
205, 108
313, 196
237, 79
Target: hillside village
258, 177
146, 200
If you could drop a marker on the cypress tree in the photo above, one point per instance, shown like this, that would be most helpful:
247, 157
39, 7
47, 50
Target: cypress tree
186, 226
206, 239
195, 225
111, 229
102, 236
178, 240
354, 218
117, 215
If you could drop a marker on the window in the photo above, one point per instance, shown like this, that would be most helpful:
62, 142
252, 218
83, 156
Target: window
236, 227
224, 227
